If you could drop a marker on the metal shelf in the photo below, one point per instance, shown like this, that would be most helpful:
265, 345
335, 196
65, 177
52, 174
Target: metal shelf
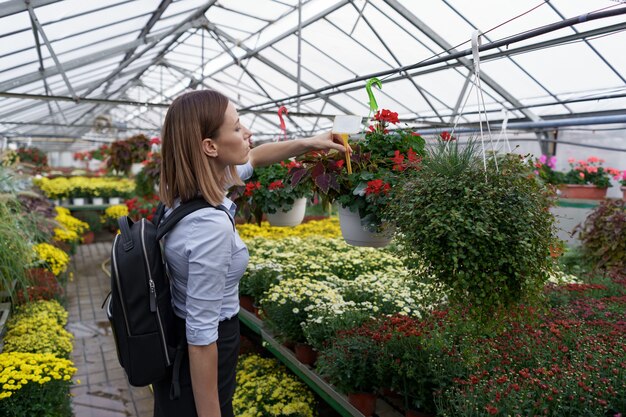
326, 391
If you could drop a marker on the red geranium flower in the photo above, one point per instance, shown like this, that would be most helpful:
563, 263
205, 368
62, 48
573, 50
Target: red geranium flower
385, 115
376, 187
276, 184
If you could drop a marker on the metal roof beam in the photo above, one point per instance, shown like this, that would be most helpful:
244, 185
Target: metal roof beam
419, 24
253, 52
61, 70
17, 6
98, 56
419, 89
274, 66
616, 72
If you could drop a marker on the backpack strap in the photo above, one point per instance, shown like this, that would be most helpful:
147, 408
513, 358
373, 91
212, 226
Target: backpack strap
181, 211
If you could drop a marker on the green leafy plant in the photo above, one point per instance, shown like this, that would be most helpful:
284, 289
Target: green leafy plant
124, 153
147, 180
377, 162
92, 218
603, 235
349, 361
484, 235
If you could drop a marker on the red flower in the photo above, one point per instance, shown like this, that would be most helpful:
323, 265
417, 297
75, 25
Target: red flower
155, 141
413, 158
250, 187
385, 115
376, 187
275, 185
398, 160
491, 410
446, 136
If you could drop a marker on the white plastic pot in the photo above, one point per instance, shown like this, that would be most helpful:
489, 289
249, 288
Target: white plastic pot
354, 234
291, 217
115, 200
97, 201
78, 201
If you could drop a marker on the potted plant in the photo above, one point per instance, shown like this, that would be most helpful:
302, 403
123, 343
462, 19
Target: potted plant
349, 363
377, 161
586, 179
483, 235
285, 305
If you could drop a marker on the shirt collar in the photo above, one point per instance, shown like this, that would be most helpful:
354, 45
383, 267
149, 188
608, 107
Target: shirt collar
228, 204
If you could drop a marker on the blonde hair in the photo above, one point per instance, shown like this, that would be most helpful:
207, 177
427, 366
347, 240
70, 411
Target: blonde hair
185, 169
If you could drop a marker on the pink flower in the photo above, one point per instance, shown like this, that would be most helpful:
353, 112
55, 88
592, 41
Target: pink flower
582, 175
543, 159
592, 170
571, 160
593, 159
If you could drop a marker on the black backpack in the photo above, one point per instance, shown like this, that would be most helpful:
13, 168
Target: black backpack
140, 307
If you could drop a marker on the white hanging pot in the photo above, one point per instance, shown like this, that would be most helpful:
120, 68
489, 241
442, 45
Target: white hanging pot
78, 201
136, 168
97, 201
291, 217
354, 234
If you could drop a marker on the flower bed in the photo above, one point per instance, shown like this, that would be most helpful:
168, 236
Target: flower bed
375, 328
327, 228
58, 188
264, 388
34, 370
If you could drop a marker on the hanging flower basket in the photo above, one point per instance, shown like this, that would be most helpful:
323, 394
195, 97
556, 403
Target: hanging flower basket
583, 191
354, 233
292, 217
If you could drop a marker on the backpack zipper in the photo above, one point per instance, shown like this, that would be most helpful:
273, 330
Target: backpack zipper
119, 285
154, 307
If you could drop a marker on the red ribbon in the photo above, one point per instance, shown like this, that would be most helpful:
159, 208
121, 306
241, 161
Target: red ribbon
283, 127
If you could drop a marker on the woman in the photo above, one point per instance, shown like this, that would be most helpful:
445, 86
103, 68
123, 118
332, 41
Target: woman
205, 150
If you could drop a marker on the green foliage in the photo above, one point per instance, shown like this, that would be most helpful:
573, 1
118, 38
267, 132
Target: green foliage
147, 180
349, 362
485, 236
603, 235
15, 251
123, 153
92, 218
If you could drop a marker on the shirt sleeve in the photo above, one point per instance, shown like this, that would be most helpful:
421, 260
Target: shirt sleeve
210, 253
245, 171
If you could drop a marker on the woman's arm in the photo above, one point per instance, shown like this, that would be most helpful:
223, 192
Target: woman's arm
271, 153
203, 365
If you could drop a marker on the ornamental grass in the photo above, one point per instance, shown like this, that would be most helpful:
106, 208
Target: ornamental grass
265, 389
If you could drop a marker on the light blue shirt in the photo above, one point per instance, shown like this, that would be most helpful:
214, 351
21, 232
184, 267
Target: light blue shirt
206, 258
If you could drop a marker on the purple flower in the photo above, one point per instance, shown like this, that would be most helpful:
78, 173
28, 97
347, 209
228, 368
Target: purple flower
552, 162
543, 159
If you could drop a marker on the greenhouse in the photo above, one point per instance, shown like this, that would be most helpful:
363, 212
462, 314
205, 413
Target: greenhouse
312, 208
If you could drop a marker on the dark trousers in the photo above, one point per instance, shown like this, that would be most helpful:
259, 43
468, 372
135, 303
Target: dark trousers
227, 352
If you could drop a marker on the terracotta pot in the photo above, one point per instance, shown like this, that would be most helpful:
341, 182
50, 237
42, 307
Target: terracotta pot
582, 191
365, 402
289, 344
389, 393
354, 234
305, 354
257, 312
88, 237
415, 413
292, 217
246, 302
623, 192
